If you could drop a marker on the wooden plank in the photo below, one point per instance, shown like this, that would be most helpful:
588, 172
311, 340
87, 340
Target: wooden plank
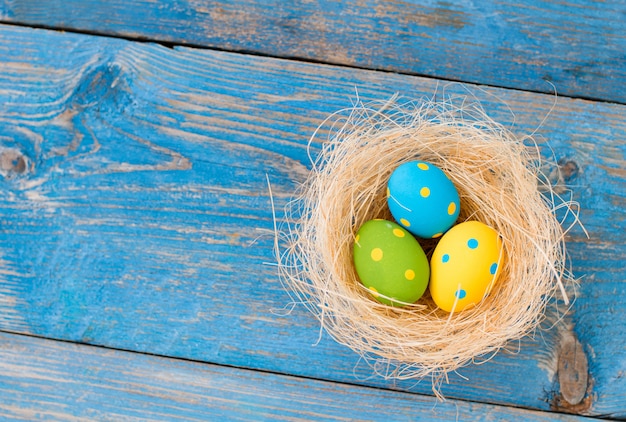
139, 217
49, 380
577, 46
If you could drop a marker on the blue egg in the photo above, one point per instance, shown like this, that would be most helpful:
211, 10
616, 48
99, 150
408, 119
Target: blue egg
422, 199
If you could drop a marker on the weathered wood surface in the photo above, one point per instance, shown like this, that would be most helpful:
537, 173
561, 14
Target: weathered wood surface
578, 46
135, 212
48, 380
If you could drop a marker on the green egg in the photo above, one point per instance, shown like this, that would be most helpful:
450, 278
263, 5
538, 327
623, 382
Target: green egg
390, 262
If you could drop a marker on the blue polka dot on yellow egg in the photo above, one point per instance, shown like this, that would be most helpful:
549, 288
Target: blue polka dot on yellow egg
493, 268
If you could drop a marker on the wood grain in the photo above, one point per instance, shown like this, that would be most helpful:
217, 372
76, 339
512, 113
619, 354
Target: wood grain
135, 211
577, 46
48, 380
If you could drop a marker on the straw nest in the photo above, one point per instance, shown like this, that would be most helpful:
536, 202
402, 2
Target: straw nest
498, 177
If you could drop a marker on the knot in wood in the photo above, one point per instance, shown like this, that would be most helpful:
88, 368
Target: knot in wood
572, 369
13, 163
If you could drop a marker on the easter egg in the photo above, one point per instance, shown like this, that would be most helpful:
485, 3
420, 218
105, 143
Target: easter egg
422, 199
390, 262
465, 265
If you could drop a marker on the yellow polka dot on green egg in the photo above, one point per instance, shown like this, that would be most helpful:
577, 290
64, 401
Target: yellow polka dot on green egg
377, 254
356, 239
409, 274
374, 291
422, 166
398, 232
425, 192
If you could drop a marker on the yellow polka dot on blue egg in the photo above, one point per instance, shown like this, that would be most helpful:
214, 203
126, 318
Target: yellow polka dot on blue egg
422, 199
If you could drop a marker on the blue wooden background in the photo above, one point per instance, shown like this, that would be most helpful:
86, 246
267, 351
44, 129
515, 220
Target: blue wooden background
136, 227
579, 46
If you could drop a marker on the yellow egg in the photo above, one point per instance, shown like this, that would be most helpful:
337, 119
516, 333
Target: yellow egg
465, 266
